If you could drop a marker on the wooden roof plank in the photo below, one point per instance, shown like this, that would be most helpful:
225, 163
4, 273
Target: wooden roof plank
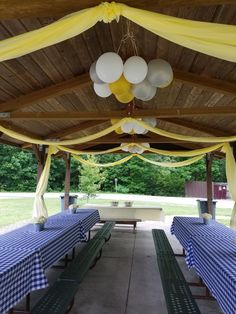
44, 8
118, 114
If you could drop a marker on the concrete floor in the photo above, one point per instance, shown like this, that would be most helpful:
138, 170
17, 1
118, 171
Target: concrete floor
126, 279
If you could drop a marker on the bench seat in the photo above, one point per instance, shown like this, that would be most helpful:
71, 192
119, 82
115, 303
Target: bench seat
122, 221
178, 295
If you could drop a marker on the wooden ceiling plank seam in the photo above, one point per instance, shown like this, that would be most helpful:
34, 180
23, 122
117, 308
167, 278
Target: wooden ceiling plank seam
43, 8
45, 93
104, 115
197, 127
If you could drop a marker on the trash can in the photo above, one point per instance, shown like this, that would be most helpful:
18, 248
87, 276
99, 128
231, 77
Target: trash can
72, 200
203, 207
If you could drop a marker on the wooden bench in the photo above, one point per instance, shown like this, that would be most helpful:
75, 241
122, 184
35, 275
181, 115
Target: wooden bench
60, 296
178, 295
122, 221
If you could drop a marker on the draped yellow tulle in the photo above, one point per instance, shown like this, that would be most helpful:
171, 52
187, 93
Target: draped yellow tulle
40, 208
214, 39
223, 143
125, 159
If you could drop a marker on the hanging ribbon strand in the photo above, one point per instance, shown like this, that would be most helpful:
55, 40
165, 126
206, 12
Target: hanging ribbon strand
213, 39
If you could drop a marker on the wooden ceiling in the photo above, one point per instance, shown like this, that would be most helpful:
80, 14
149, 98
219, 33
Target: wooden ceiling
48, 94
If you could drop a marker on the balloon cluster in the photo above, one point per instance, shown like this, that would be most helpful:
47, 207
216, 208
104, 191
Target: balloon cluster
134, 149
133, 127
134, 78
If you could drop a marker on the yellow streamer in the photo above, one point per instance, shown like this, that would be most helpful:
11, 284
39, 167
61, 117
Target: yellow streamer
40, 208
214, 39
123, 160
80, 152
110, 164
172, 164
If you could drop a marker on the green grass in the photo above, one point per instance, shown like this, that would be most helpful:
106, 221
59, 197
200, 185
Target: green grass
16, 210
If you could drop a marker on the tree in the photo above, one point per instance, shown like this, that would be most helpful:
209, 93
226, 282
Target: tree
91, 178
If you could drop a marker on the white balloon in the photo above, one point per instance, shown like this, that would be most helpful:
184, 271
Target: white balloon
135, 69
125, 149
150, 121
146, 145
160, 73
152, 93
133, 150
102, 90
93, 74
143, 90
109, 67
139, 150
138, 129
127, 127
145, 132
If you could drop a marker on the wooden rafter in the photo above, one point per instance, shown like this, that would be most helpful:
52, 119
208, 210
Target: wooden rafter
77, 82
118, 114
10, 9
19, 129
45, 93
68, 131
215, 85
196, 126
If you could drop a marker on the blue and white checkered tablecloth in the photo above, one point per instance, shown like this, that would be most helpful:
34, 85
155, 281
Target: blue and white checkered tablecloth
186, 227
215, 262
62, 232
21, 271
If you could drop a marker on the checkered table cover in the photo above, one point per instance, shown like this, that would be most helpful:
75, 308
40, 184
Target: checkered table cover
215, 262
20, 272
62, 232
186, 227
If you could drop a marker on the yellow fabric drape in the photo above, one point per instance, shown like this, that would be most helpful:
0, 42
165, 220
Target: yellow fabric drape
214, 39
202, 139
191, 153
28, 139
125, 159
230, 167
172, 164
109, 164
80, 152
40, 208
195, 139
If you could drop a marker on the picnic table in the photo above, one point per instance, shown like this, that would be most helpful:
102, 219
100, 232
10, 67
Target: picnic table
25, 254
211, 250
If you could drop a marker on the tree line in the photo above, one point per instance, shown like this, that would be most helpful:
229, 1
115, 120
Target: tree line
18, 172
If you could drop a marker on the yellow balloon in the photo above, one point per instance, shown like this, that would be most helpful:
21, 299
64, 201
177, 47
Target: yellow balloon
121, 86
119, 131
125, 98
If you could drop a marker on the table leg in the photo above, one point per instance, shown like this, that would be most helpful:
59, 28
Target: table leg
27, 307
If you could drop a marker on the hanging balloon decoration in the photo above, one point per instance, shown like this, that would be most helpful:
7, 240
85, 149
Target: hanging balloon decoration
134, 78
134, 128
134, 149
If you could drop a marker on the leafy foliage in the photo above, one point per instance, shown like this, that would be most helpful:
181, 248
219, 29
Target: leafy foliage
18, 172
91, 178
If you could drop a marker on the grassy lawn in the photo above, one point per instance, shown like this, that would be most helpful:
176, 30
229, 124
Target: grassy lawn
15, 210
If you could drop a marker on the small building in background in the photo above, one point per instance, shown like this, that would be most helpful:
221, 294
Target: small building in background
199, 189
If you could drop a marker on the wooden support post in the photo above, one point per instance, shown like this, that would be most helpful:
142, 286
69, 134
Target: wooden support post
67, 160
40, 153
209, 182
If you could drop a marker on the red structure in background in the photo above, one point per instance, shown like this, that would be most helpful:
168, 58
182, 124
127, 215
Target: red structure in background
199, 189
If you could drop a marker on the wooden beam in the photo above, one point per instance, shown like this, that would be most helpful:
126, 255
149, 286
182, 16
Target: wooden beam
45, 93
209, 159
215, 85
40, 153
196, 127
10, 9
74, 129
5, 142
154, 139
67, 160
106, 115
77, 82
18, 129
